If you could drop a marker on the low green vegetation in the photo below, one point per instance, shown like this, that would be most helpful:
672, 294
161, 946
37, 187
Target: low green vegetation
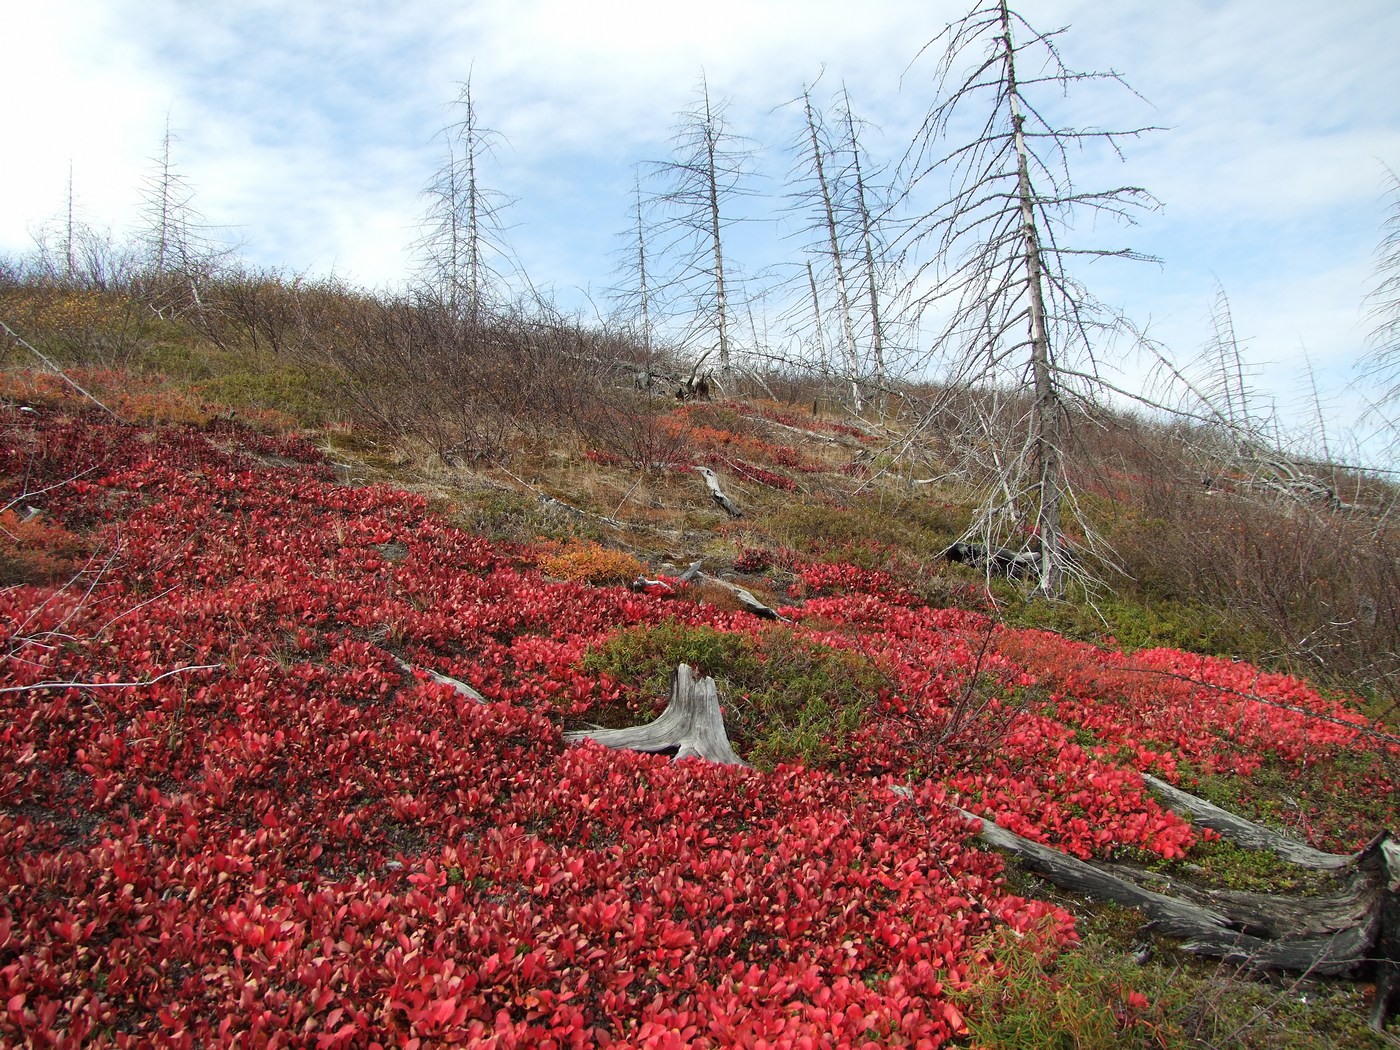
1124, 988
1315, 803
785, 699
1131, 622
1221, 864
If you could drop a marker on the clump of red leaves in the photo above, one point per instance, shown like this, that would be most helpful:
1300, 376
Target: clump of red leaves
750, 472
279, 834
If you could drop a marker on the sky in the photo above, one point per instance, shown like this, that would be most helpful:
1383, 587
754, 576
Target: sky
307, 130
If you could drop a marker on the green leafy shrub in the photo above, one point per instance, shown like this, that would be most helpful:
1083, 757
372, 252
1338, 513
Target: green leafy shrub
784, 698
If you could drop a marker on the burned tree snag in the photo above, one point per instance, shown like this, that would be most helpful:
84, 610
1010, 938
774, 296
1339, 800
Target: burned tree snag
691, 724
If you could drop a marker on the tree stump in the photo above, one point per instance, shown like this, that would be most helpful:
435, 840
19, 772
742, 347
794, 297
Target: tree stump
691, 725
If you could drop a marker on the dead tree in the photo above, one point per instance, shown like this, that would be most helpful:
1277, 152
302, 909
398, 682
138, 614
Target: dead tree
461, 247
820, 194
864, 206
998, 274
1381, 364
180, 250
691, 725
707, 172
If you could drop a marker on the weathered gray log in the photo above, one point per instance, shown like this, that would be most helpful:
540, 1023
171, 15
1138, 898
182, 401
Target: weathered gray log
717, 493
746, 598
1241, 928
1245, 832
691, 723
1368, 910
691, 572
641, 583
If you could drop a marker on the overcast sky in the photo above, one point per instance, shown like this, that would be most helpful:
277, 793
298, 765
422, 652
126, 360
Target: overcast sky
309, 127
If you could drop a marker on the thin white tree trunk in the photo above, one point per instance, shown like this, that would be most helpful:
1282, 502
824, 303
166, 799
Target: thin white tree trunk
838, 267
1045, 418
817, 320
721, 305
868, 245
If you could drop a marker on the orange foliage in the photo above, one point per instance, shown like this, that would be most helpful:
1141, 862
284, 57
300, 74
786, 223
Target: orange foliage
134, 398
589, 562
35, 550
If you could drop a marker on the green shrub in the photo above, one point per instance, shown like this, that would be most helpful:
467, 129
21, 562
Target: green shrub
784, 698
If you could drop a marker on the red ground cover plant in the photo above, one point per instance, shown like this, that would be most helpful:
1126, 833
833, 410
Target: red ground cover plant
749, 472
228, 814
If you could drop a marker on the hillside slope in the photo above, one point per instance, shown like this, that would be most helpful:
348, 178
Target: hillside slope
236, 805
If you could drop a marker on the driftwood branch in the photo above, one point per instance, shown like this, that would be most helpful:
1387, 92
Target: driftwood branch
691, 725
717, 493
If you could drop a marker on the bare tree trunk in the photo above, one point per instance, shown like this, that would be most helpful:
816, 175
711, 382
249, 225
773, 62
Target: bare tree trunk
838, 267
68, 235
642, 277
1045, 422
877, 333
817, 320
712, 174
473, 220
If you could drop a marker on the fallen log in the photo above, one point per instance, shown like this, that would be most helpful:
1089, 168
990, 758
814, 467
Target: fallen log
1244, 832
691, 724
1353, 932
746, 599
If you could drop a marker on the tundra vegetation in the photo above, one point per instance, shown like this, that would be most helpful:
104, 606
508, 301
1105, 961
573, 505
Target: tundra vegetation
312, 594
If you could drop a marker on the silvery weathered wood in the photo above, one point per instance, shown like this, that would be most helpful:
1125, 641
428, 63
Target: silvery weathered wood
441, 679
1352, 932
1245, 832
691, 723
746, 598
717, 494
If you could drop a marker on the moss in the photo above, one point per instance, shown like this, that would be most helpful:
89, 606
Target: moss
1330, 800
1221, 864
